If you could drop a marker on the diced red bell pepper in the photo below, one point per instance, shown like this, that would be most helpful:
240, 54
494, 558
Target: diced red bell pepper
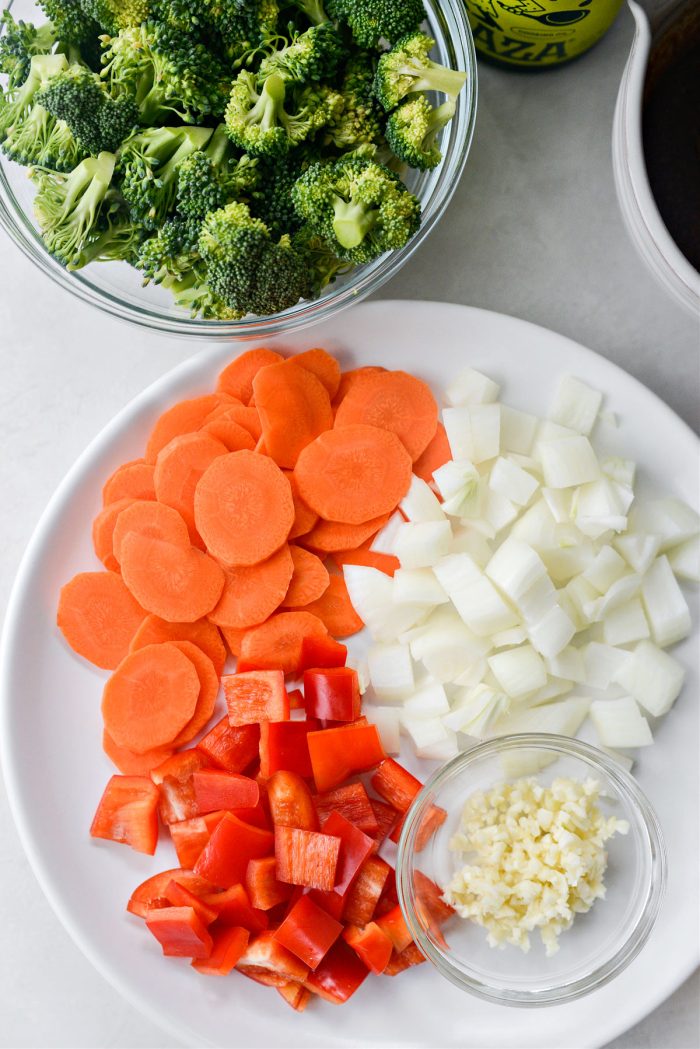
180, 932
291, 804
432, 818
295, 995
265, 956
190, 836
255, 696
389, 897
262, 885
331, 902
174, 781
394, 925
355, 847
233, 843
151, 893
386, 818
337, 753
322, 652
283, 746
231, 747
234, 908
365, 891
229, 945
431, 909
257, 817
308, 932
179, 896
296, 699
332, 694
339, 975
395, 784
370, 944
402, 960
267, 979
215, 789
128, 813
352, 802
306, 857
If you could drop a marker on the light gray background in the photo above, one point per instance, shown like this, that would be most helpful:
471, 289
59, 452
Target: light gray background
534, 231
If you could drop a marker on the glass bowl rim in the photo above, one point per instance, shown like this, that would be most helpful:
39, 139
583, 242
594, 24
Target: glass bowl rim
654, 859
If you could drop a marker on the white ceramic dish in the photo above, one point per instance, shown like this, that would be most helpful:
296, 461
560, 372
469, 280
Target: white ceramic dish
55, 771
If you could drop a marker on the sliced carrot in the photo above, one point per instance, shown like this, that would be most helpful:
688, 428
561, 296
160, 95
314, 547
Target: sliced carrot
294, 408
103, 531
208, 691
276, 644
183, 417
304, 517
363, 555
243, 508
179, 467
224, 403
330, 535
253, 592
237, 377
230, 433
260, 446
323, 366
150, 519
234, 638
354, 473
130, 481
335, 610
248, 418
310, 579
394, 401
178, 585
435, 455
130, 764
98, 617
150, 697
350, 378
202, 633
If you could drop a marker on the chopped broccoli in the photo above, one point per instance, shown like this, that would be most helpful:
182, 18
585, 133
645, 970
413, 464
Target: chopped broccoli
272, 198
313, 9
148, 169
358, 120
171, 252
257, 121
407, 68
324, 265
99, 122
210, 178
70, 207
193, 293
118, 241
73, 25
358, 206
28, 132
19, 42
248, 270
16, 104
373, 20
113, 15
411, 131
243, 28
309, 57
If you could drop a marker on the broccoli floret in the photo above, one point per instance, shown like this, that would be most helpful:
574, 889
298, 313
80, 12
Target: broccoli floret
118, 242
248, 270
171, 252
70, 208
28, 132
148, 169
358, 121
309, 57
411, 131
19, 42
114, 15
358, 206
407, 68
272, 199
165, 71
73, 25
99, 122
324, 265
243, 29
257, 121
210, 178
373, 20
16, 103
313, 9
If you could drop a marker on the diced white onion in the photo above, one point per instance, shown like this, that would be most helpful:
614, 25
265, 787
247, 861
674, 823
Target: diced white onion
621, 591
370, 592
537, 600
425, 732
562, 719
567, 664
507, 638
625, 624
391, 671
621, 470
514, 568
387, 720
474, 596
555, 687
664, 604
622, 759
684, 559
671, 519
443, 750
420, 502
498, 511
465, 540
417, 586
518, 430
473, 433
384, 540
605, 569
511, 481
619, 723
421, 545
598, 507
536, 527
430, 701
602, 663
575, 405
652, 677
518, 670
558, 501
471, 387
552, 633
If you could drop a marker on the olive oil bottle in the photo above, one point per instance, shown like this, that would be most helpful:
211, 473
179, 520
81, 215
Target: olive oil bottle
538, 34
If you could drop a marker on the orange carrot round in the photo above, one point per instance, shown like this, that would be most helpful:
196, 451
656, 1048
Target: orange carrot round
237, 377
252, 592
335, 610
202, 633
230, 433
152, 520
130, 764
354, 473
234, 638
131, 481
276, 644
435, 455
98, 617
330, 535
178, 585
103, 531
208, 691
350, 378
294, 408
150, 697
386, 563
310, 579
323, 366
179, 467
394, 401
304, 517
243, 508
183, 417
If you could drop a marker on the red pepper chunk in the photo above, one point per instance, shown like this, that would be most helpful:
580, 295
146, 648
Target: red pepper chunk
394, 925
337, 753
229, 944
265, 957
215, 789
291, 804
233, 843
402, 960
128, 813
180, 932
386, 818
365, 891
296, 699
151, 893
283, 746
295, 995
179, 896
306, 857
231, 747
351, 802
370, 944
395, 784
262, 885
256, 696
339, 974
322, 652
190, 836
233, 907
308, 932
355, 847
332, 694
432, 818
174, 781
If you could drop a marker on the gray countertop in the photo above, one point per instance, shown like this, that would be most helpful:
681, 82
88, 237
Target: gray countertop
534, 231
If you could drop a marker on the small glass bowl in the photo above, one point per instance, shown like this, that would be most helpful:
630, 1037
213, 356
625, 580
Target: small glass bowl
600, 943
117, 289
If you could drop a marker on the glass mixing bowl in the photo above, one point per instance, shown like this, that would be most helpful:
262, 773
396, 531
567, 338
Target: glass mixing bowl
116, 288
600, 943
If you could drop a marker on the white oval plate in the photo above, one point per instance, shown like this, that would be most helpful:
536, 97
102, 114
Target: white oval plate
50, 729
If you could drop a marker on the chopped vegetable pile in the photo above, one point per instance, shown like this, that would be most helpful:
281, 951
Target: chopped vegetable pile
242, 156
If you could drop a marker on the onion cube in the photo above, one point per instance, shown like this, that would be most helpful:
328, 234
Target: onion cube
575, 405
664, 604
568, 461
471, 387
654, 678
619, 723
519, 670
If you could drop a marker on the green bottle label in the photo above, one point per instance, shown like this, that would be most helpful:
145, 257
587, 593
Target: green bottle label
535, 33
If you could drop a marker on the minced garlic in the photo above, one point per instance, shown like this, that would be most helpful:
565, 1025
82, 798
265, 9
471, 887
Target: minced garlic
534, 857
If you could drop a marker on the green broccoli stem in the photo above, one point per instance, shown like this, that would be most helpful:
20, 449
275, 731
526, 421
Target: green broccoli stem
266, 110
439, 117
314, 11
431, 76
219, 146
352, 222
